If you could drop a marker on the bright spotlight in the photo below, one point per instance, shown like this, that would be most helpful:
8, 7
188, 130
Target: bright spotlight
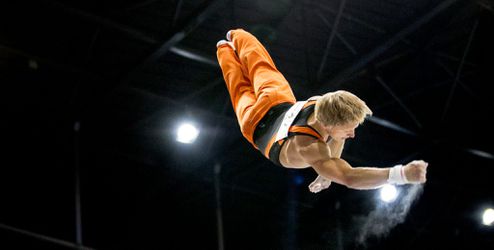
187, 133
388, 193
488, 217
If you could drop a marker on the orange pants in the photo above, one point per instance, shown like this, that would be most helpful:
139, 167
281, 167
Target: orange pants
253, 81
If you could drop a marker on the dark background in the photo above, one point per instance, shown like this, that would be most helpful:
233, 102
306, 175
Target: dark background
92, 94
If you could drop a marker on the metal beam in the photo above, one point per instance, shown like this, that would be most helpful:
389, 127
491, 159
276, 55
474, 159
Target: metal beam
362, 62
180, 33
178, 103
338, 35
305, 14
177, 12
219, 213
487, 4
77, 184
194, 55
452, 58
192, 23
45, 238
413, 94
330, 40
458, 72
452, 74
480, 153
390, 125
400, 102
350, 18
132, 33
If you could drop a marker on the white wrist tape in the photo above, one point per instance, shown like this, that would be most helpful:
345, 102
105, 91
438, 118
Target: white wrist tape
397, 175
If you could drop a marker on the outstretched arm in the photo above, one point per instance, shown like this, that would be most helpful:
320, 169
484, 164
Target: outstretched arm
339, 171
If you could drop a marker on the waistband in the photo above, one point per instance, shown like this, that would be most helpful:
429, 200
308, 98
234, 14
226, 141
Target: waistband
269, 124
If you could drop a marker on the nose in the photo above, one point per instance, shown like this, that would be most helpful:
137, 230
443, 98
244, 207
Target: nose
351, 134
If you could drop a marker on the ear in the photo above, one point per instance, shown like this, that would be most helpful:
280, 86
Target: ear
328, 127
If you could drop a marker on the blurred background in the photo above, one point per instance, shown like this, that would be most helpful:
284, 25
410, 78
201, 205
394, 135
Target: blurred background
94, 94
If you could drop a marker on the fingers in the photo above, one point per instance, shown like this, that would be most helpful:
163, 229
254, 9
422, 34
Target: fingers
419, 163
417, 171
423, 177
315, 187
319, 184
422, 172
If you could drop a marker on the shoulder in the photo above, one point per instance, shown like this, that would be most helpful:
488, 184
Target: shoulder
310, 149
301, 140
302, 151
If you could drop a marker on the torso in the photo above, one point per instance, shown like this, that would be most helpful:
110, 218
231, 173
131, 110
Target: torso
299, 150
290, 155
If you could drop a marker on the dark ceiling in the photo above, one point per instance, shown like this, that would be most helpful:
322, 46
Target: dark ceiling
93, 93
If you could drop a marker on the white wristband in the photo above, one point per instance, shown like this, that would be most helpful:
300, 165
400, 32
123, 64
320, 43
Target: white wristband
397, 175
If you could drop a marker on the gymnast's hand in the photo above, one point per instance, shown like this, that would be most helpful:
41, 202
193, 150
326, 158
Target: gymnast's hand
415, 171
320, 183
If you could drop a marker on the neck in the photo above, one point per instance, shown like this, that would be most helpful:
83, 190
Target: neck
313, 122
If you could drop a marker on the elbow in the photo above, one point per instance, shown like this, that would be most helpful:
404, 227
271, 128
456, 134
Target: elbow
347, 179
348, 176
350, 181
339, 171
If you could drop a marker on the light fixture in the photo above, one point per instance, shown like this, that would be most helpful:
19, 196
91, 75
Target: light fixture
388, 193
488, 217
187, 133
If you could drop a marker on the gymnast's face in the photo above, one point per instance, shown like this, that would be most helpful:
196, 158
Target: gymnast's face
342, 132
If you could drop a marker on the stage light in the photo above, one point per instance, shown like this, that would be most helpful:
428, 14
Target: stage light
388, 193
488, 217
187, 133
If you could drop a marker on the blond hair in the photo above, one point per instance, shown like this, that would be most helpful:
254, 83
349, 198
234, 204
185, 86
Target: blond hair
341, 108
